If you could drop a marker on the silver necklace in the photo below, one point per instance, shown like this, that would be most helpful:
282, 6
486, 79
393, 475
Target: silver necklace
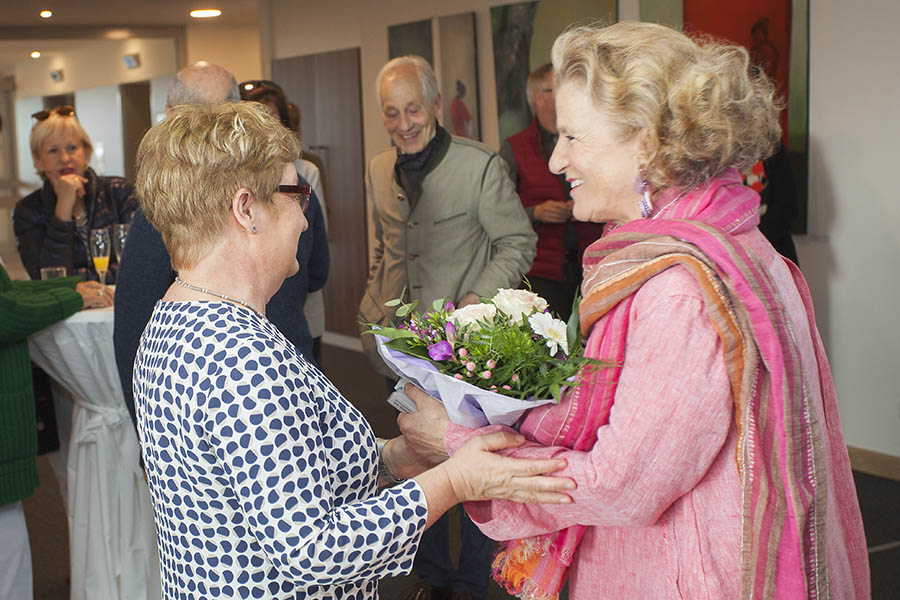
212, 293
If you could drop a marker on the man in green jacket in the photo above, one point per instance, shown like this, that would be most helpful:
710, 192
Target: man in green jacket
448, 224
26, 307
447, 220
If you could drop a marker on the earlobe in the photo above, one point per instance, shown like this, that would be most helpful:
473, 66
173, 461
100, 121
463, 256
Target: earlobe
243, 206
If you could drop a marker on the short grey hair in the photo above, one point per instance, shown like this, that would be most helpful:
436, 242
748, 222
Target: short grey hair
202, 83
536, 81
425, 74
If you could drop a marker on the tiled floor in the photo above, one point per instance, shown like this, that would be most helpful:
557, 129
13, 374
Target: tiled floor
879, 500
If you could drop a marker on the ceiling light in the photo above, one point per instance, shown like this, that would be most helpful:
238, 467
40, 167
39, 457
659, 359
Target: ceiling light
35, 54
46, 14
117, 34
248, 86
206, 13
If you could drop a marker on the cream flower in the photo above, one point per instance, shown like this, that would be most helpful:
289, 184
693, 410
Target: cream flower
518, 304
553, 330
473, 313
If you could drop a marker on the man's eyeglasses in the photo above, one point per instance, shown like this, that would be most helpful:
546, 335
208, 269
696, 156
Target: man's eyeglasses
300, 193
63, 111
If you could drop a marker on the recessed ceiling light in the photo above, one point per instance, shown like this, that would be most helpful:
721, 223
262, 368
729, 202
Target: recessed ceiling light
35, 54
206, 13
248, 86
46, 14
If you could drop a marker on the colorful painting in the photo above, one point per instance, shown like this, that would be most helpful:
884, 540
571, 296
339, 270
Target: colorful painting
775, 33
457, 73
523, 35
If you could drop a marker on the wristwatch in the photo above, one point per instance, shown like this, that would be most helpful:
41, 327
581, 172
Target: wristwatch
383, 471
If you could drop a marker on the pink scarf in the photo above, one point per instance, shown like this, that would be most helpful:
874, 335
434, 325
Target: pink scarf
781, 451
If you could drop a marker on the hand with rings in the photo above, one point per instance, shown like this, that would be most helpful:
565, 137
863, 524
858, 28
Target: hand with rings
94, 294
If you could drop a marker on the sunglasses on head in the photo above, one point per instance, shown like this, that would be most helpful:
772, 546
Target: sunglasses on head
63, 111
253, 85
300, 193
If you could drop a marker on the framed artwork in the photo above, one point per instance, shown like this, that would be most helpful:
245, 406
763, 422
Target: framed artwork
776, 33
523, 35
411, 38
449, 45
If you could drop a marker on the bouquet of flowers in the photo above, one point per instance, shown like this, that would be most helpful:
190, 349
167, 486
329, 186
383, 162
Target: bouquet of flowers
488, 362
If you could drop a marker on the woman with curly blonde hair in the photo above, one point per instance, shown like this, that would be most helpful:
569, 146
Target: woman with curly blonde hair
709, 460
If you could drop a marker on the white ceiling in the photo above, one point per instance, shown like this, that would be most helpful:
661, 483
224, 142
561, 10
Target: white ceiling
22, 30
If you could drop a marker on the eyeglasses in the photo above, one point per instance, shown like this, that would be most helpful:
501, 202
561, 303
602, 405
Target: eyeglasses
63, 111
300, 193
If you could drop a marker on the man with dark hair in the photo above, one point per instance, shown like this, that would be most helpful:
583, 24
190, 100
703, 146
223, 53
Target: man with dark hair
556, 271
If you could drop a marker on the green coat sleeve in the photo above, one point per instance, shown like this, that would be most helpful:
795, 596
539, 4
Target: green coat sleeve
27, 307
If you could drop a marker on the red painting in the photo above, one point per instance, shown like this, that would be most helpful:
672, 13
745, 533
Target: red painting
762, 26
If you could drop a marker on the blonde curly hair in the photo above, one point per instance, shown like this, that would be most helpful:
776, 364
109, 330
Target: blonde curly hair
192, 163
699, 104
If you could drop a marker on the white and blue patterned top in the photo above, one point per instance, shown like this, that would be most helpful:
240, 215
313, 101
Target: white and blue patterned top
263, 477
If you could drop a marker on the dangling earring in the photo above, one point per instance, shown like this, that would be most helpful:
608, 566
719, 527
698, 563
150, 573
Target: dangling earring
254, 229
642, 187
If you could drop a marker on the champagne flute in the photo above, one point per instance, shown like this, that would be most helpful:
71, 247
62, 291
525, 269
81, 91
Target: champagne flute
119, 233
100, 248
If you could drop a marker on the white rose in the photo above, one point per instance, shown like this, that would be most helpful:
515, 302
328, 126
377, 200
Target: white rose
473, 313
518, 304
553, 330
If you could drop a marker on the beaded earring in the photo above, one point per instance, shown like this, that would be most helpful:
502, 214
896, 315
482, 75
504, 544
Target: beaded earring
642, 187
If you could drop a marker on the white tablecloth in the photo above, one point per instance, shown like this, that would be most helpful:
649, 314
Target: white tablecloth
111, 533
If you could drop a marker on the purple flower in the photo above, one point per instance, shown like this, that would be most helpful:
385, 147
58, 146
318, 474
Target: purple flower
450, 331
449, 307
440, 351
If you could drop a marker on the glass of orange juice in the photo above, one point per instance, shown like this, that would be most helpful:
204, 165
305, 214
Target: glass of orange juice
100, 247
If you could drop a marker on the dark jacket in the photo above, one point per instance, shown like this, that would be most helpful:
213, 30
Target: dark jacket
146, 273
45, 241
26, 307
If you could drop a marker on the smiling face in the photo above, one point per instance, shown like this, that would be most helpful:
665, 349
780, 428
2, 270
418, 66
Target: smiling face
408, 117
62, 154
600, 167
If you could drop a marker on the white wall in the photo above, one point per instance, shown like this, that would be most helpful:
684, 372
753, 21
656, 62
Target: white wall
25, 107
100, 113
852, 254
237, 48
94, 66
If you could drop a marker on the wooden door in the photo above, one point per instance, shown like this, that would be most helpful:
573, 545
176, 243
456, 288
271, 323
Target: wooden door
326, 88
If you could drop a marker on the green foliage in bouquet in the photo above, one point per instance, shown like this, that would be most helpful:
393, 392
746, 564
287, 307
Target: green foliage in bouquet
508, 344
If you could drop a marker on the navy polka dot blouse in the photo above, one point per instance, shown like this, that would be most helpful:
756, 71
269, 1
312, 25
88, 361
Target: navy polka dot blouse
263, 477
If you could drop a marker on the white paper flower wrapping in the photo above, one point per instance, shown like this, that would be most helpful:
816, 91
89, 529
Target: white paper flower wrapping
465, 403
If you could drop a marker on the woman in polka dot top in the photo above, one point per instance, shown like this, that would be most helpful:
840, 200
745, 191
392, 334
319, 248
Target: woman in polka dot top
264, 478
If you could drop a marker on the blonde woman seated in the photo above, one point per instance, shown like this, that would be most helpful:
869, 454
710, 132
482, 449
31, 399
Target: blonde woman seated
709, 460
263, 477
52, 224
